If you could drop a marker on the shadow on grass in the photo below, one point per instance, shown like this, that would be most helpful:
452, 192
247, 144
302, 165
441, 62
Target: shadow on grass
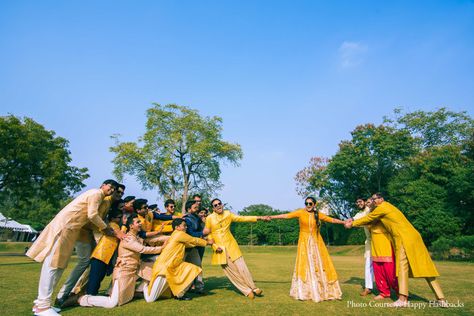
16, 263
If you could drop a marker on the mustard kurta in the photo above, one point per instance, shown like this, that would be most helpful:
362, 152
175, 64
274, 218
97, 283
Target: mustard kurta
170, 263
219, 225
106, 247
65, 228
147, 221
309, 228
404, 235
381, 243
167, 229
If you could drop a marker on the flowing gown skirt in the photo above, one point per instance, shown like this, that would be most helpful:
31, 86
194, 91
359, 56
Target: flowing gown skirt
310, 278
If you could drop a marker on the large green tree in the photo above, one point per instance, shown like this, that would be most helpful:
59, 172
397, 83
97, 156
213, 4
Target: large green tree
421, 161
181, 152
36, 177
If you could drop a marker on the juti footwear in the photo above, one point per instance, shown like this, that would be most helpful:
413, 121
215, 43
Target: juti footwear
258, 292
365, 292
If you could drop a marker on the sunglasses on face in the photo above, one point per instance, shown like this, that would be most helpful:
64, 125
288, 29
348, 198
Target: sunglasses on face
308, 203
119, 192
171, 206
217, 204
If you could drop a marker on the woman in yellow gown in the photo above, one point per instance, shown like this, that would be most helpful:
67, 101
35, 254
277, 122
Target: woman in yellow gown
314, 277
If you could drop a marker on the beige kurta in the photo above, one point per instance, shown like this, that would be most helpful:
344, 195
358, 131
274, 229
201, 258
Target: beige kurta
368, 240
65, 228
128, 261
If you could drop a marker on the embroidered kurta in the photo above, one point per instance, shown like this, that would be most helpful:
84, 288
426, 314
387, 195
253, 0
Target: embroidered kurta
65, 228
170, 263
106, 247
314, 277
381, 243
404, 235
128, 261
219, 225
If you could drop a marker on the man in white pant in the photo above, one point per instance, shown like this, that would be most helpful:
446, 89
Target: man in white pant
84, 246
369, 270
125, 272
56, 243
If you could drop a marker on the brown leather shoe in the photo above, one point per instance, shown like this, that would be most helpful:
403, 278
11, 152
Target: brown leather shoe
365, 292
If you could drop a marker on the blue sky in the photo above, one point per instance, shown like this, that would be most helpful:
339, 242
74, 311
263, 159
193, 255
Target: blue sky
290, 79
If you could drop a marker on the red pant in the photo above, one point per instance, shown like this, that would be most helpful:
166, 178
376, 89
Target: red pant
385, 277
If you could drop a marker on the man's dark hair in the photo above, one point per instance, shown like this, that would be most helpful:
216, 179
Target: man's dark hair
120, 185
176, 222
130, 220
216, 199
197, 195
189, 204
138, 204
168, 202
128, 198
114, 212
112, 182
379, 195
153, 206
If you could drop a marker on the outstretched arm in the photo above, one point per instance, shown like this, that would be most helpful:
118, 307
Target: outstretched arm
281, 216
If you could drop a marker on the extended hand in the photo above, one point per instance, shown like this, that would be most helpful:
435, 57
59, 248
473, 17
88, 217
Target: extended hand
219, 250
348, 223
210, 241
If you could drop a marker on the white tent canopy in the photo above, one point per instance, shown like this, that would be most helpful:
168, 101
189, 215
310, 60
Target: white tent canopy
14, 225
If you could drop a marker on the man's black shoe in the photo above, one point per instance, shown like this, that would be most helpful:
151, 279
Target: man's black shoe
183, 298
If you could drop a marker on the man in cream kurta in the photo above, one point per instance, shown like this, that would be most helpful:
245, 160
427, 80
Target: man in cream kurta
125, 272
369, 272
226, 250
56, 243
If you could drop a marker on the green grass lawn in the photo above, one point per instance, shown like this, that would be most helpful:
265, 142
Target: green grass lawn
272, 268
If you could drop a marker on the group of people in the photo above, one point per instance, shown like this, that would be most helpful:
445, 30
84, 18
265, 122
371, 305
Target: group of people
149, 254
153, 255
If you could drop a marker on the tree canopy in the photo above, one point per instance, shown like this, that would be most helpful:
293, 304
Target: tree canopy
36, 177
181, 152
420, 161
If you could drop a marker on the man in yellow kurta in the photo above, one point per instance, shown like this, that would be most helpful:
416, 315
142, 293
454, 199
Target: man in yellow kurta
55, 244
412, 257
170, 269
165, 225
226, 250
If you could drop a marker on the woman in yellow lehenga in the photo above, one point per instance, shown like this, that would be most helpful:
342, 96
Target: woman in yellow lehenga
314, 277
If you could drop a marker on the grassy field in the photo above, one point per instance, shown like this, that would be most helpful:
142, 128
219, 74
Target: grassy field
271, 267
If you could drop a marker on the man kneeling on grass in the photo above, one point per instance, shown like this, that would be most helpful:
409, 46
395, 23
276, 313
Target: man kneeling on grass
126, 268
170, 270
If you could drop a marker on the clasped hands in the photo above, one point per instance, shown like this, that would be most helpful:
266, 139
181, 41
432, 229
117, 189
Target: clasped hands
348, 223
264, 218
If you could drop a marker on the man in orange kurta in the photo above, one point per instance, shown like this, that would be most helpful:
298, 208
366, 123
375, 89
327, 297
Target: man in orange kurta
55, 244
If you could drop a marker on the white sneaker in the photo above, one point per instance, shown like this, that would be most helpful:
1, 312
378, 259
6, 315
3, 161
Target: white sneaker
400, 303
47, 312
